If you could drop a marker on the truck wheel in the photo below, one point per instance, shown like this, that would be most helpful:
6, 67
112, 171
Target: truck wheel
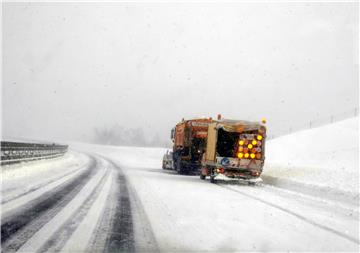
202, 177
183, 171
178, 166
212, 179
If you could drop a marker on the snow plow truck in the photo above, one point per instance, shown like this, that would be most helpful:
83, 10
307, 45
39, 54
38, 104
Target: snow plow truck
235, 149
189, 143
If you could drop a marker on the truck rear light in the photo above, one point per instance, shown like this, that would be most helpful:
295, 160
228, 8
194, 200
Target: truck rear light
254, 142
250, 146
246, 155
259, 137
220, 170
240, 155
258, 156
252, 156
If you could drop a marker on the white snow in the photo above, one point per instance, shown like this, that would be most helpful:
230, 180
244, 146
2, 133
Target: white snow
16, 203
130, 157
326, 156
79, 241
188, 214
18, 179
45, 233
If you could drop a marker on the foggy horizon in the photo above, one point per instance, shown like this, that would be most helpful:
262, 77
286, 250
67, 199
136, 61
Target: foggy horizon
69, 68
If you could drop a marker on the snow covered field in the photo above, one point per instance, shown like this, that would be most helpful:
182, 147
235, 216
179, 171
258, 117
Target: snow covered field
106, 198
326, 158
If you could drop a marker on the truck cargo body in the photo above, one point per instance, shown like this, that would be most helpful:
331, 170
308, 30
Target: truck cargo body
189, 138
235, 149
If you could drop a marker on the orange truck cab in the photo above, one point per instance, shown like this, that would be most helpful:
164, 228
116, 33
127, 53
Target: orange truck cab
235, 149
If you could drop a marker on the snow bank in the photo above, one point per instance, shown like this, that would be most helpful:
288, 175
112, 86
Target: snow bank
23, 177
326, 156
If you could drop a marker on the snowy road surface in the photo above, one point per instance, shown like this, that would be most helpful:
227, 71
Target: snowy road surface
119, 199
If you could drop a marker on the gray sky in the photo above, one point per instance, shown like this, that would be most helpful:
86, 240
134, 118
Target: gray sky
70, 67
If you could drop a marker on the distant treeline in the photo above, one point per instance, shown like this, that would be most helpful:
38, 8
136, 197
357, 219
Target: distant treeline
120, 136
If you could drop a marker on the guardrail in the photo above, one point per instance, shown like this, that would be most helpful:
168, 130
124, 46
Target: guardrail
13, 152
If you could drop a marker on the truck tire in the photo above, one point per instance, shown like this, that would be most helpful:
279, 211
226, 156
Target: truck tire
202, 177
212, 179
183, 170
178, 166
212, 176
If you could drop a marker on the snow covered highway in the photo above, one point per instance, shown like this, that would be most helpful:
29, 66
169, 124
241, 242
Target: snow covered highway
79, 204
111, 199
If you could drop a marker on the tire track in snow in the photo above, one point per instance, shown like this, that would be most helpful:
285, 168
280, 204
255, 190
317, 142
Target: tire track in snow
87, 228
38, 239
121, 237
61, 237
131, 230
22, 224
15, 204
299, 216
145, 240
37, 187
101, 234
58, 219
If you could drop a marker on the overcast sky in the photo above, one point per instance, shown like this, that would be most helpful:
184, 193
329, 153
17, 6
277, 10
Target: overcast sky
70, 67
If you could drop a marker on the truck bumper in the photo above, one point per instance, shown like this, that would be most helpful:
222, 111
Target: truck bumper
231, 173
